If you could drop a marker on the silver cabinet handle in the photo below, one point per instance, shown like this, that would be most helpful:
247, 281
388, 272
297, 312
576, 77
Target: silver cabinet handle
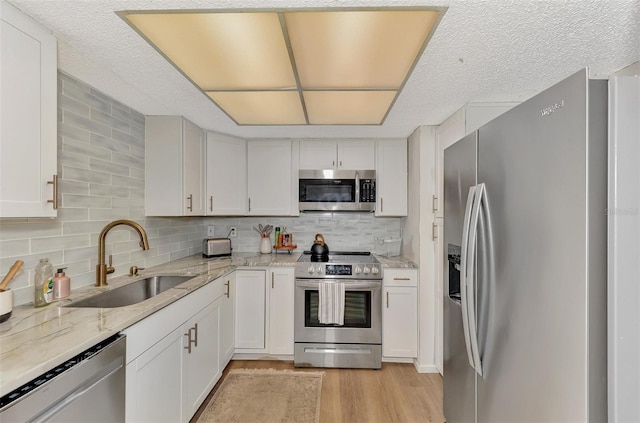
195, 329
381, 204
434, 231
249, 203
55, 192
211, 203
387, 299
401, 279
189, 341
434, 203
190, 206
228, 285
273, 285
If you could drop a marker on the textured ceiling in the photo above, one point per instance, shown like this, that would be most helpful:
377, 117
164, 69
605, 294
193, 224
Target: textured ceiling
482, 51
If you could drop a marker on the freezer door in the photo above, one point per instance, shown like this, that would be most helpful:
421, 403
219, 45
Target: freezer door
536, 352
459, 376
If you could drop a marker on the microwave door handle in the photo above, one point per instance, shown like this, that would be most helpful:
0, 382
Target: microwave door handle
357, 189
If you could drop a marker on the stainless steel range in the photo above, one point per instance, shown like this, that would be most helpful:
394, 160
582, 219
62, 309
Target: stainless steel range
357, 343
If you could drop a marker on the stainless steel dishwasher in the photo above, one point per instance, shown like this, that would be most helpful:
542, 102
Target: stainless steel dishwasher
88, 387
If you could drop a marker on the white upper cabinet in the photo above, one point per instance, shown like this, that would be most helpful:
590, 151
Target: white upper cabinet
174, 167
28, 122
226, 175
337, 154
269, 177
391, 177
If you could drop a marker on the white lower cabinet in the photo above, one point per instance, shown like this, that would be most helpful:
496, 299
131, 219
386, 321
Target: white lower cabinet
227, 326
250, 310
201, 364
400, 313
281, 297
154, 382
165, 379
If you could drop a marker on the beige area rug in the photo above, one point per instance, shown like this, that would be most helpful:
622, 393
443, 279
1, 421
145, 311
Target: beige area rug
266, 395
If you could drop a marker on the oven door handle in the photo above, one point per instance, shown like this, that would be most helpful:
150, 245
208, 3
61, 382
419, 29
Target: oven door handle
350, 285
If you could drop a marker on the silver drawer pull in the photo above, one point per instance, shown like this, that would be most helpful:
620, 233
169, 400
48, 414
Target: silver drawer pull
337, 350
401, 279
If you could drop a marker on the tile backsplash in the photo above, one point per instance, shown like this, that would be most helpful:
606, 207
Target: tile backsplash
101, 174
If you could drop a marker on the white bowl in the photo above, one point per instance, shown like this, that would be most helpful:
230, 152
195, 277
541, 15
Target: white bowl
6, 304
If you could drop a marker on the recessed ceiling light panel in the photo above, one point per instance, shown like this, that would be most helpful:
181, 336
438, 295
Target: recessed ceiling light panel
294, 67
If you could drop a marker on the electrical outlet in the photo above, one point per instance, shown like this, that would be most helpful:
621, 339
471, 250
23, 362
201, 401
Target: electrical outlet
233, 232
210, 230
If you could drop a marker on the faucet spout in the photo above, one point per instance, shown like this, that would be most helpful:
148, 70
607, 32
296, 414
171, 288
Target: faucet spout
102, 270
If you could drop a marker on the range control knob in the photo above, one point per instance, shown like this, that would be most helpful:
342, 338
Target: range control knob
311, 269
375, 270
358, 269
320, 269
366, 270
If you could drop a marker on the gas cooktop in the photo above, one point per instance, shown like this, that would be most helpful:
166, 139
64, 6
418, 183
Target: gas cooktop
339, 265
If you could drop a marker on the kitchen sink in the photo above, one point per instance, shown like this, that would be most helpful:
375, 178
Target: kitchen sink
132, 293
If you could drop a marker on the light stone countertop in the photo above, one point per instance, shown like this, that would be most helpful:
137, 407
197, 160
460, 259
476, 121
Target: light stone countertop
33, 341
396, 262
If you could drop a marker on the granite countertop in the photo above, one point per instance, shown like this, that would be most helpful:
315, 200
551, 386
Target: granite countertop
34, 341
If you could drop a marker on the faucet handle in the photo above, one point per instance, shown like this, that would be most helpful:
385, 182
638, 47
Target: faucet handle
133, 270
110, 268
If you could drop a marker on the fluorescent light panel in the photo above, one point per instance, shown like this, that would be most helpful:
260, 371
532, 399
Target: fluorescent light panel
347, 65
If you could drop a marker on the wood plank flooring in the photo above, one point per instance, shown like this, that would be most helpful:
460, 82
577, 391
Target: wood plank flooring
396, 393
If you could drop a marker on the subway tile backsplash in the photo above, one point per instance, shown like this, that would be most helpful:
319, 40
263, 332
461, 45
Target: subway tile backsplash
101, 170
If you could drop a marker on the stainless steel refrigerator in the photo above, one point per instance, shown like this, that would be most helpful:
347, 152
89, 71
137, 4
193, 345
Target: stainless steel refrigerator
525, 279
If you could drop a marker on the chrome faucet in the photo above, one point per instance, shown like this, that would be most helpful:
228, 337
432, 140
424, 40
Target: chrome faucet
102, 270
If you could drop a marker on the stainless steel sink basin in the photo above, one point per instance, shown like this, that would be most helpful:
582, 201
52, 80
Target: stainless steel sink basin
132, 293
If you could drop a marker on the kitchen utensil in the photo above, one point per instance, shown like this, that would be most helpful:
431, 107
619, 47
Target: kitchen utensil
319, 249
11, 274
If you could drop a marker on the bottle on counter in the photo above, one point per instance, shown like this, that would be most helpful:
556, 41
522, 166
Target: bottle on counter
276, 237
43, 283
61, 285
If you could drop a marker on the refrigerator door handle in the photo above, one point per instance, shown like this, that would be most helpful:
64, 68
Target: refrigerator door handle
463, 262
470, 278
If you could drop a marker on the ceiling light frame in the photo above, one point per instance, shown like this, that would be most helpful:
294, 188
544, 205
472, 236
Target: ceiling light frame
280, 12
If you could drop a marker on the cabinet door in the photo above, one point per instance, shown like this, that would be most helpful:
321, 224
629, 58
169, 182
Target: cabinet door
269, 177
193, 168
400, 322
228, 320
201, 361
226, 176
250, 309
356, 154
391, 178
318, 154
28, 116
154, 382
281, 297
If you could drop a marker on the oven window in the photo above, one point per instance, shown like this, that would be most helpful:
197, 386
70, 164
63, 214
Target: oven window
357, 309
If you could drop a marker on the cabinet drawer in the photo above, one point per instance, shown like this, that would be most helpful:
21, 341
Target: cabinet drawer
400, 277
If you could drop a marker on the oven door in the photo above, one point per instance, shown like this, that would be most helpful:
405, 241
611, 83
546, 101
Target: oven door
362, 314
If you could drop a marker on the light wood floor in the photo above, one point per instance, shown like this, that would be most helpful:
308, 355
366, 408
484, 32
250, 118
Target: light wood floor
396, 393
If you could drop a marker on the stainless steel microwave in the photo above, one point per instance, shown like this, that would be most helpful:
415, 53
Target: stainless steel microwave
337, 190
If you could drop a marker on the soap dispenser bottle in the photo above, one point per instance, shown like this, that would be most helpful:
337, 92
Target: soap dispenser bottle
43, 283
61, 285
